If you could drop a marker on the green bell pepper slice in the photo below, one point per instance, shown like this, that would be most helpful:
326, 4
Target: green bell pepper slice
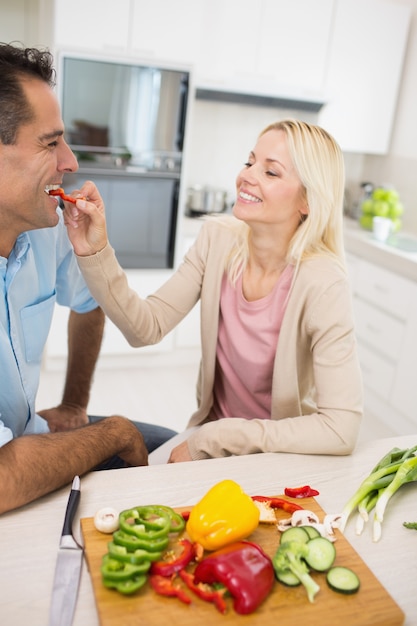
118, 571
132, 542
121, 553
127, 587
147, 522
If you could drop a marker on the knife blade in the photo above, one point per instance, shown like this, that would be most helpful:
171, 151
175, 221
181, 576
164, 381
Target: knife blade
68, 566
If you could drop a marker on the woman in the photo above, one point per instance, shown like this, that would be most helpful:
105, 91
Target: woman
279, 369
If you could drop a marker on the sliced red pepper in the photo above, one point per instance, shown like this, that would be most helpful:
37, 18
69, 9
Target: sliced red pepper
301, 492
216, 596
169, 567
60, 192
198, 552
165, 587
244, 569
279, 503
186, 515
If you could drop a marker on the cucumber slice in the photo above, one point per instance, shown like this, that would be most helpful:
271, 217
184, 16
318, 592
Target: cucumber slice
343, 580
312, 531
295, 533
288, 578
321, 554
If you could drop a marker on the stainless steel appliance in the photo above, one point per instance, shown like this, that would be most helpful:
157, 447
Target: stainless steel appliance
126, 123
204, 200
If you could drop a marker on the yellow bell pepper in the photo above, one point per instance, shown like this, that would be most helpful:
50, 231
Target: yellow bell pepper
224, 515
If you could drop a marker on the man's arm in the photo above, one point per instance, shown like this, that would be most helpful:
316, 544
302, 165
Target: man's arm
85, 332
34, 465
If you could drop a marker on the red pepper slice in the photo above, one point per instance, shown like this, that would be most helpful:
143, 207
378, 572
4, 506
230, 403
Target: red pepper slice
279, 503
165, 587
60, 192
169, 567
301, 492
186, 515
204, 592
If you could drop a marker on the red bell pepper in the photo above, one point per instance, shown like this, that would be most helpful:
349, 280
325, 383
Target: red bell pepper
202, 591
172, 565
279, 503
244, 569
166, 587
60, 192
301, 492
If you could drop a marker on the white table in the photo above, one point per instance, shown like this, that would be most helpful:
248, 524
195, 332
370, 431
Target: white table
30, 535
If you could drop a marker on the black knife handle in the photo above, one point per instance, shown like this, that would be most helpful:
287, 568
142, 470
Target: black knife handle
70, 512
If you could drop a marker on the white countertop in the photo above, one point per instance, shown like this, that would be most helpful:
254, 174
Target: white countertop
362, 243
30, 535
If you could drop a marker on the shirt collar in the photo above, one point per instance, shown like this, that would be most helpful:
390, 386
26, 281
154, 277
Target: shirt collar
22, 245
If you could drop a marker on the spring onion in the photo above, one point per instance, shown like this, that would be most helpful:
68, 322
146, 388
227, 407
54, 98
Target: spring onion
396, 468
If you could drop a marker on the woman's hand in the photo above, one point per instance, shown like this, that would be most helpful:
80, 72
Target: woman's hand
180, 453
85, 221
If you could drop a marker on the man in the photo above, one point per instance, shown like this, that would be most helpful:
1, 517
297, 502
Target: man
37, 269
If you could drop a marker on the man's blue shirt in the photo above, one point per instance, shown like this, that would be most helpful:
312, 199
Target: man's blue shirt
40, 271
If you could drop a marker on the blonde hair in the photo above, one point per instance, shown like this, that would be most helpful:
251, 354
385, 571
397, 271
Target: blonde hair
318, 161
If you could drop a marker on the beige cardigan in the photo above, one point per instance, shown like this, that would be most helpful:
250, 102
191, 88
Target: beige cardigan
317, 387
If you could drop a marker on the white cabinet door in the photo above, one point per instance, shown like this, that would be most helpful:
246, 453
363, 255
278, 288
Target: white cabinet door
293, 44
227, 53
271, 47
94, 25
365, 63
166, 30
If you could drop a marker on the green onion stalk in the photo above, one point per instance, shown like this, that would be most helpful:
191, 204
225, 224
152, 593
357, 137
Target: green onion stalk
396, 468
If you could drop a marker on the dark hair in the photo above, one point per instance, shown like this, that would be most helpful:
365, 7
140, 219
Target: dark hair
16, 64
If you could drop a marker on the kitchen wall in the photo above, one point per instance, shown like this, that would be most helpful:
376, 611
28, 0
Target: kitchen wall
399, 167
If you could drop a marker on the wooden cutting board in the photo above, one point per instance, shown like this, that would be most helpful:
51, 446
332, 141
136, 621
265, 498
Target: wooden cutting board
285, 606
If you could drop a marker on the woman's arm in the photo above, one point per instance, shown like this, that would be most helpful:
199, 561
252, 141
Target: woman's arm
34, 465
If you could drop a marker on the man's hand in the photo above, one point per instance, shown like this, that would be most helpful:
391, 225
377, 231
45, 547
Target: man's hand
134, 452
180, 453
64, 417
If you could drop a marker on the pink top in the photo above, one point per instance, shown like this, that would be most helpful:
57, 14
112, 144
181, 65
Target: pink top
246, 346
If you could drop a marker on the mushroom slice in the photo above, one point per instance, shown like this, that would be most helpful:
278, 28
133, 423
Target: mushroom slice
304, 518
283, 524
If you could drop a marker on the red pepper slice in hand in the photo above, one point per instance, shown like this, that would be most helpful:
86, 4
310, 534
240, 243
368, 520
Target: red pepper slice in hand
165, 587
169, 567
60, 192
279, 503
204, 592
301, 492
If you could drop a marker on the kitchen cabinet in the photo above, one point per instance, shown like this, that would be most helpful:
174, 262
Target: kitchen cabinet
166, 31
96, 25
364, 71
275, 48
385, 308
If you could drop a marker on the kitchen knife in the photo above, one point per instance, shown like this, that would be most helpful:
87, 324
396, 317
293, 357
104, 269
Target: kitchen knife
68, 566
